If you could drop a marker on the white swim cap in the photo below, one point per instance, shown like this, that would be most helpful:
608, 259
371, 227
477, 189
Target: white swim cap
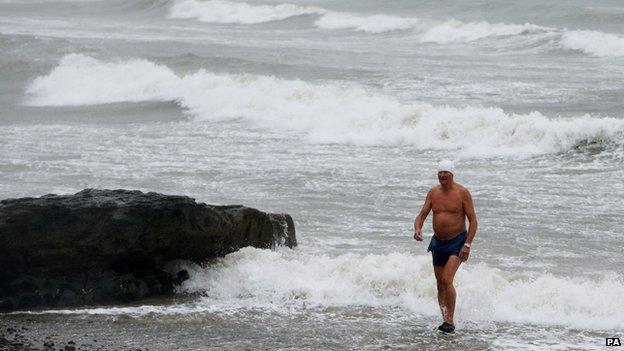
446, 165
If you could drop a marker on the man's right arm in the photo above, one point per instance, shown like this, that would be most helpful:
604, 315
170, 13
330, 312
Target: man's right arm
420, 219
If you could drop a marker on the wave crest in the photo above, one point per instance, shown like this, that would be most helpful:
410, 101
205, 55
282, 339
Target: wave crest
221, 11
324, 113
456, 31
451, 31
369, 24
281, 281
404, 280
593, 43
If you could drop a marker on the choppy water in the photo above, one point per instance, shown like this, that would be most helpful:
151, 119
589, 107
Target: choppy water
337, 112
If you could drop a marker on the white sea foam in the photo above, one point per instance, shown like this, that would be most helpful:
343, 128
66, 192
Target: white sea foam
279, 281
222, 11
143, 310
324, 113
589, 42
404, 280
369, 24
593, 43
82, 80
456, 31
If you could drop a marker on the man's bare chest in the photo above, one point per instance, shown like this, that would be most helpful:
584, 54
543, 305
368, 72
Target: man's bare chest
447, 203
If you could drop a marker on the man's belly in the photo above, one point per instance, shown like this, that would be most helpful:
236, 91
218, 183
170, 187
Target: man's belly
447, 225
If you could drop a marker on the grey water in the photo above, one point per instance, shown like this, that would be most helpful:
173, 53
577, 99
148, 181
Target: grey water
337, 112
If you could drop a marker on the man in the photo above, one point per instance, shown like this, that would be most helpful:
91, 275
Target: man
450, 245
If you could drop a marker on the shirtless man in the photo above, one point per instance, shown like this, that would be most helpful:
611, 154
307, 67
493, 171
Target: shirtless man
450, 245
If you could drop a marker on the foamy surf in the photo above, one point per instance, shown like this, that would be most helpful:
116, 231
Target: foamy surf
406, 281
362, 23
456, 31
428, 31
324, 113
222, 11
593, 42
283, 280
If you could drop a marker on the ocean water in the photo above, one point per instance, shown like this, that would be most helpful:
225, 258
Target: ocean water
337, 113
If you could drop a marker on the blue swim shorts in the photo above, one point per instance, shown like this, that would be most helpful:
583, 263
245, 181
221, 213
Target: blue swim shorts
441, 250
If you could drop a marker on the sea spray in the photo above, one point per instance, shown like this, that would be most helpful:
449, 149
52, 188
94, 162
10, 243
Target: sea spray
324, 113
283, 281
593, 42
428, 30
456, 31
406, 281
363, 23
221, 11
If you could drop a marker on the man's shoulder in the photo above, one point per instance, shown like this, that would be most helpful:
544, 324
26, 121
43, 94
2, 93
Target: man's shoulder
462, 189
434, 189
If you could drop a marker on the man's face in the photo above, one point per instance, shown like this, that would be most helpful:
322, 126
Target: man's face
445, 177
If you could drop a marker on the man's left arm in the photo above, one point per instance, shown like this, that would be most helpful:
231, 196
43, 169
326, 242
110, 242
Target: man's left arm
472, 228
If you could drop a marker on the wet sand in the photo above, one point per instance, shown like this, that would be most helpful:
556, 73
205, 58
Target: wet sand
327, 329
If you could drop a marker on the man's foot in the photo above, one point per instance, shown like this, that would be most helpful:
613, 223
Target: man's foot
446, 328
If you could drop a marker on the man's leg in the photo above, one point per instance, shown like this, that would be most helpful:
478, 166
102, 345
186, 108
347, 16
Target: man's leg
446, 291
439, 273
448, 275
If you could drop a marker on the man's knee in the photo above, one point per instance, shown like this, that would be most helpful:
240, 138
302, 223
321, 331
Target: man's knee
441, 286
446, 281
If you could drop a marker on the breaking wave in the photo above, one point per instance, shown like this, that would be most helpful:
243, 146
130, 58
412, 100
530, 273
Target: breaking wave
456, 31
405, 280
593, 43
428, 31
324, 113
256, 278
221, 11
369, 24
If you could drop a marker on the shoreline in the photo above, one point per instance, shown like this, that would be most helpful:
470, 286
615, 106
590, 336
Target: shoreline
326, 328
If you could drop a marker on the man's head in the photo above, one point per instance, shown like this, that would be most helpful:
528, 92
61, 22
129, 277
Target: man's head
446, 170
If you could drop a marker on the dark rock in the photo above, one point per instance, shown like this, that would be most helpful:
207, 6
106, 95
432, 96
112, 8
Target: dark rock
182, 276
14, 345
7, 303
29, 299
101, 246
68, 297
48, 345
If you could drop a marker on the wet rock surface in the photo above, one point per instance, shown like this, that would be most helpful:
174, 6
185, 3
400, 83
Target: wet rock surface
16, 337
107, 246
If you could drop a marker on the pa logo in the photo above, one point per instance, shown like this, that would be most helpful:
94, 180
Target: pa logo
613, 342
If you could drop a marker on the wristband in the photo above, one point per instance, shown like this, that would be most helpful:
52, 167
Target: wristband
467, 245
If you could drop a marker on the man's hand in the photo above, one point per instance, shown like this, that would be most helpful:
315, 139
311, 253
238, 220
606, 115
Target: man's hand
464, 253
418, 235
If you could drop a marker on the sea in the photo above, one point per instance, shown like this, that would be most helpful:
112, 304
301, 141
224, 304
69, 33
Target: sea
337, 112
